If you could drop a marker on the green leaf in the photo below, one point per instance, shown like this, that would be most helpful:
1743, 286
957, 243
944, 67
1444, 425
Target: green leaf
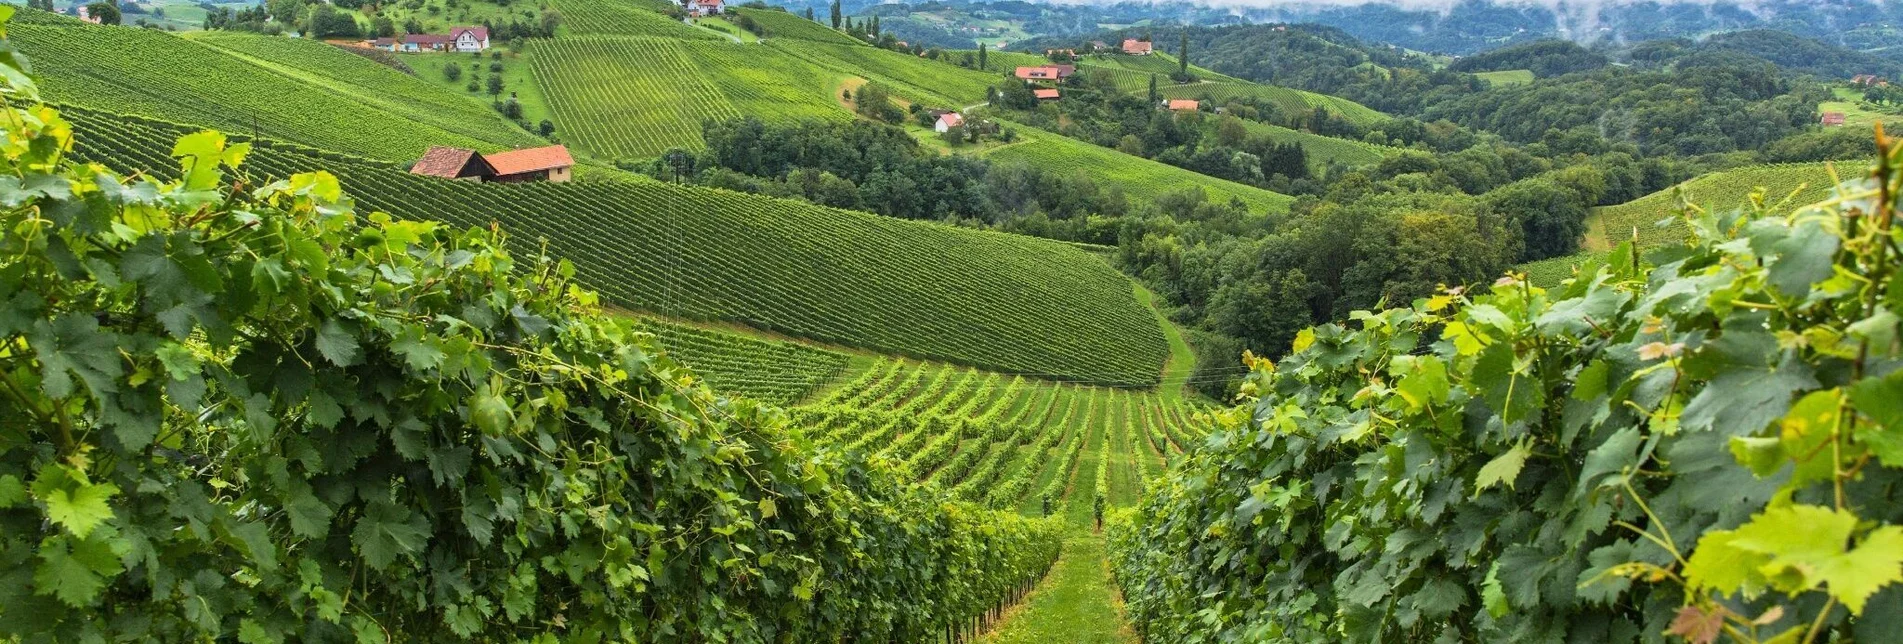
1502, 469
1746, 399
1804, 258
310, 516
490, 412
418, 350
74, 570
1718, 565
1802, 547
387, 531
1509, 391
1882, 400
71, 501
1491, 594
1619, 452
337, 344
1424, 383
12, 491
74, 345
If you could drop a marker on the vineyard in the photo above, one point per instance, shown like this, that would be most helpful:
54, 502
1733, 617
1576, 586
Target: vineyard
160, 75
910, 77
625, 18
1707, 446
253, 415
1323, 150
364, 80
769, 371
1006, 442
1137, 177
1003, 302
780, 24
770, 87
1507, 78
1290, 101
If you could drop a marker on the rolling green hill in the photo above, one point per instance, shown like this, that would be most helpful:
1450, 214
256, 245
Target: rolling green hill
1288, 100
1004, 302
780, 24
911, 77
1507, 77
770, 371
347, 106
1793, 184
1323, 150
1139, 178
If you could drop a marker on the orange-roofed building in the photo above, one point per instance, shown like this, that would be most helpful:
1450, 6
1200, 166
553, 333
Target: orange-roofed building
1136, 47
1833, 119
947, 121
1045, 94
452, 163
1184, 105
552, 163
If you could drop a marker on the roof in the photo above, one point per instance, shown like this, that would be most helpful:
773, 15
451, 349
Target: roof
427, 39
1044, 93
444, 162
707, 3
1064, 71
951, 119
481, 33
1834, 118
530, 160
1133, 46
1184, 104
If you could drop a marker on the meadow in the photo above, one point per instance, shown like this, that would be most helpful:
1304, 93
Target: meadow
1137, 177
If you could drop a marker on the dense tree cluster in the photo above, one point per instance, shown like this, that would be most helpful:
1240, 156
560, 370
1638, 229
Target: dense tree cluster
1543, 57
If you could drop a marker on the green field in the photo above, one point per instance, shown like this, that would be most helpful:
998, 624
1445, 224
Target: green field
1507, 78
1792, 184
780, 24
1139, 178
1158, 63
1003, 302
349, 106
1322, 150
910, 77
624, 18
628, 98
1288, 100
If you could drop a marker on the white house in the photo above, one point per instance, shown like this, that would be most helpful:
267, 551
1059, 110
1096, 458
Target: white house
705, 7
469, 39
947, 121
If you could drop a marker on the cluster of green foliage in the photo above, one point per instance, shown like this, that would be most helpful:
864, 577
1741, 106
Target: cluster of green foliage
769, 371
239, 411
344, 103
1003, 302
1290, 101
1542, 57
1709, 440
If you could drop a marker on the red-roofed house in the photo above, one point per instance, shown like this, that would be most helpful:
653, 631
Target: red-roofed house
1045, 94
948, 121
1833, 119
463, 39
1136, 47
551, 163
704, 7
453, 163
1045, 72
469, 39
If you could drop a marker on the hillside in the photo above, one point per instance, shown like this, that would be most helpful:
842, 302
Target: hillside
1137, 177
1290, 101
343, 102
780, 24
1004, 302
625, 18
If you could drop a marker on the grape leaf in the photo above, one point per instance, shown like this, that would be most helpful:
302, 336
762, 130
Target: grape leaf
337, 345
387, 531
1745, 399
74, 570
1882, 400
1502, 469
72, 501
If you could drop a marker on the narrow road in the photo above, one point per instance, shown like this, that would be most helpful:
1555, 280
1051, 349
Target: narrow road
1077, 602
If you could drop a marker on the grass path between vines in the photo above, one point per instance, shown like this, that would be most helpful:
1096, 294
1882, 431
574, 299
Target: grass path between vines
1182, 360
1077, 603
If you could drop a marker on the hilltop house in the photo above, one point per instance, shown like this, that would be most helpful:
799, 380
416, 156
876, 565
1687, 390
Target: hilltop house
1833, 119
1046, 73
1183, 105
460, 39
551, 163
704, 7
1868, 80
947, 121
1136, 47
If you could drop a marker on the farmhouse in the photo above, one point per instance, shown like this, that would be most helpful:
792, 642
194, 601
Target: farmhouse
1183, 105
1046, 72
551, 163
460, 39
947, 121
453, 163
1045, 94
1136, 47
1868, 80
1833, 119
704, 7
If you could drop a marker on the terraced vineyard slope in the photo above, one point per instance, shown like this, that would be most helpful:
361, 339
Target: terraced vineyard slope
768, 371
780, 24
1003, 302
157, 74
625, 18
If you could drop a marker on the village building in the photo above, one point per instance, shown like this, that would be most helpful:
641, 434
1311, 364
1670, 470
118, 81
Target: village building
459, 39
1833, 119
704, 7
947, 121
1045, 73
1183, 105
85, 14
552, 163
1136, 47
1045, 94
1868, 80
453, 163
